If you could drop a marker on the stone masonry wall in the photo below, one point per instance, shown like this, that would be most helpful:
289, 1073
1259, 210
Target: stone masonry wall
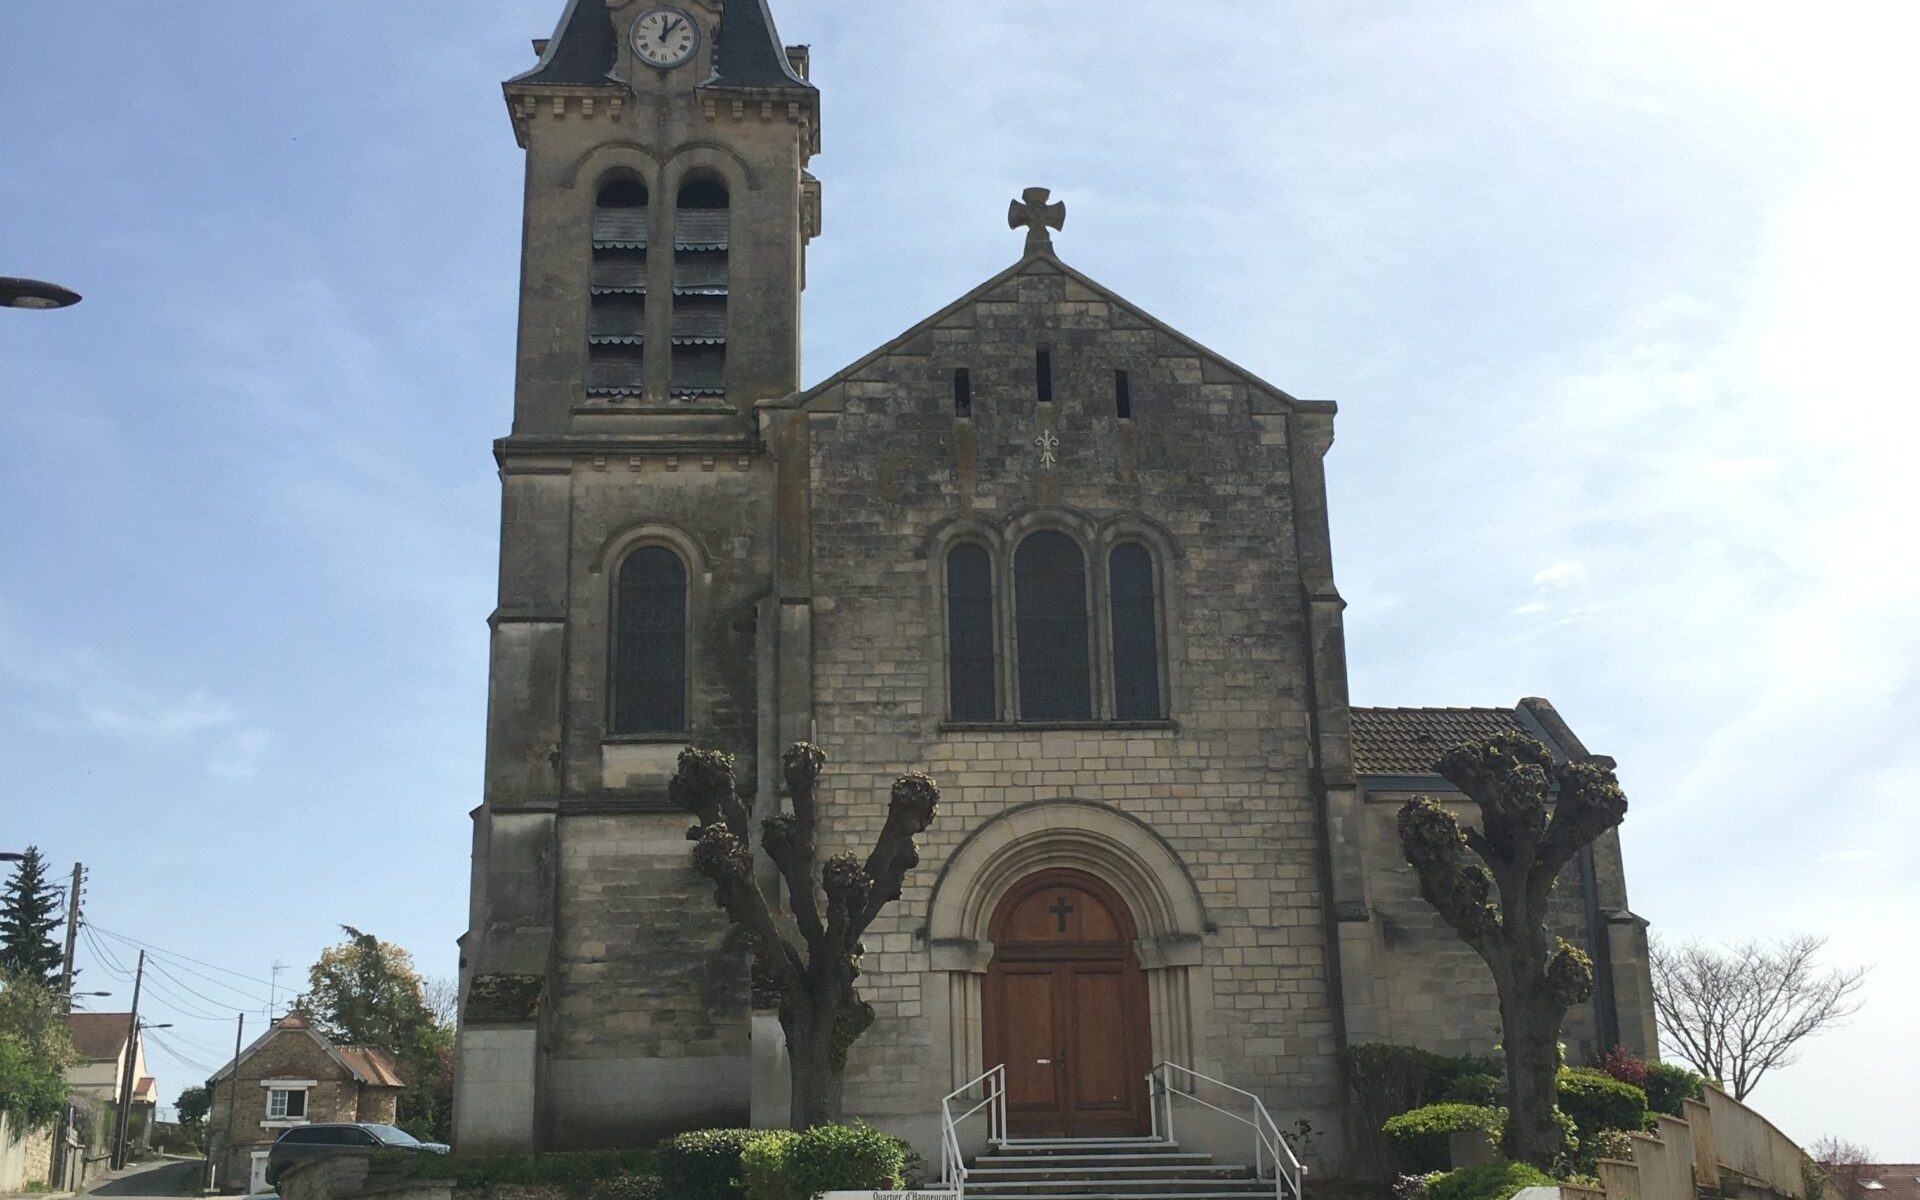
1226, 782
1439, 995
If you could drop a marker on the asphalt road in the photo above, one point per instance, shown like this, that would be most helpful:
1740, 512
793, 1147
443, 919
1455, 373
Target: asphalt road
169, 1177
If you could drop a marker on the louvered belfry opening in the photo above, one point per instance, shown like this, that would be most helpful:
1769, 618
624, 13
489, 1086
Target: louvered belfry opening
700, 291
617, 319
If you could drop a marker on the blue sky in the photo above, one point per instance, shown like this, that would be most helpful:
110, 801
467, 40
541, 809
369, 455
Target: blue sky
1614, 298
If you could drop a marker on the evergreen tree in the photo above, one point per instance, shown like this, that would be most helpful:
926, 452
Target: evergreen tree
29, 912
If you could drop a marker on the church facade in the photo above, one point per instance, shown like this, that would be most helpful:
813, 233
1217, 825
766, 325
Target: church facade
1047, 549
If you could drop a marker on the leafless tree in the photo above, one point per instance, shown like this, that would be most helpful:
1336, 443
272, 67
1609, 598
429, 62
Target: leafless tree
1736, 1012
1848, 1166
443, 999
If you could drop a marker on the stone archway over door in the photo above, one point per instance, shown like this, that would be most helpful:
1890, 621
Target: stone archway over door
1065, 1008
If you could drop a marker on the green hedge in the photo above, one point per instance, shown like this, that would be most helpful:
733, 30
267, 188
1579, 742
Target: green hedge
1596, 1101
1418, 1139
1488, 1181
843, 1158
705, 1164
1484, 1090
1668, 1084
762, 1164
578, 1170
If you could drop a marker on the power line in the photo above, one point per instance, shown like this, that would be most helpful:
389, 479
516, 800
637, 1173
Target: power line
176, 954
104, 958
163, 995
202, 975
161, 967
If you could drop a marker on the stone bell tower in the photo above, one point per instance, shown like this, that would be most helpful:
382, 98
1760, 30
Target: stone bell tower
667, 213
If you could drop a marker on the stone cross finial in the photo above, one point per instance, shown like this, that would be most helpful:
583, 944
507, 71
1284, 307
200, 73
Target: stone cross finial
1033, 211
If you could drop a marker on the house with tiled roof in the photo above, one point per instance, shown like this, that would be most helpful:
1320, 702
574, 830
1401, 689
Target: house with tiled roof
101, 1043
291, 1075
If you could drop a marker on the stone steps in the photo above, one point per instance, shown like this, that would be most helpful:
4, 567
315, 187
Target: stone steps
1107, 1169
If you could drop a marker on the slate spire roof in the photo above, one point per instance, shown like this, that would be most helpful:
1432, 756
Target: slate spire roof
585, 47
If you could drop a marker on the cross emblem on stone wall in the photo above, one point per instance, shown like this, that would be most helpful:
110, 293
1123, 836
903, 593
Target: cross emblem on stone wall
1060, 911
1049, 444
1033, 211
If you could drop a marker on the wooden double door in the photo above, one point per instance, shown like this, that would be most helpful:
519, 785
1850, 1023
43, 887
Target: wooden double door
1066, 1009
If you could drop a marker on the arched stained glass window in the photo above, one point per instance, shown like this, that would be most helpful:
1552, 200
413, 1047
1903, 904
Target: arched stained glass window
650, 643
1136, 635
970, 691
1050, 607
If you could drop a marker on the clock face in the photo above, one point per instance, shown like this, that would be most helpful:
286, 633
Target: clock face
665, 37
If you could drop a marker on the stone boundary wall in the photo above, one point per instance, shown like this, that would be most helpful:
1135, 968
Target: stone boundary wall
1722, 1145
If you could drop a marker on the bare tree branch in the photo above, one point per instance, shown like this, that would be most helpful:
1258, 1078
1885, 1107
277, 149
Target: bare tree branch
1737, 1012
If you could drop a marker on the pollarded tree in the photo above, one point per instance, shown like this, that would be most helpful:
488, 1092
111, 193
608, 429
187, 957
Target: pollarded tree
808, 959
1535, 815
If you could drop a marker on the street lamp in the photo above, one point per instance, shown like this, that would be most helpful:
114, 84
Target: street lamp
34, 293
10, 856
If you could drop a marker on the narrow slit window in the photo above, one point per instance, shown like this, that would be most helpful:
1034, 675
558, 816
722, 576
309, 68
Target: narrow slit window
1043, 374
962, 393
970, 682
1136, 634
1050, 623
1122, 396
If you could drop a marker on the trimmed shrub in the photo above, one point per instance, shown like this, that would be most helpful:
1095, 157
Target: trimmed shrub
1413, 1187
1668, 1084
1488, 1181
705, 1164
627, 1185
577, 1171
830, 1158
1596, 1101
1484, 1090
1418, 1139
763, 1165
1622, 1064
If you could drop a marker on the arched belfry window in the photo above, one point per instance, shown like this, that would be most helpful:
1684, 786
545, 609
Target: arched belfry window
617, 319
970, 674
1136, 633
650, 643
700, 231
1050, 623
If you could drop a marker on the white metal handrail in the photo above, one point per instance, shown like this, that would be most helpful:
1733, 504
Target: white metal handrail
1268, 1146
953, 1161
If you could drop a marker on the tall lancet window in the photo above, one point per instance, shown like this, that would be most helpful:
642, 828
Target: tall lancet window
1136, 637
1050, 623
617, 319
650, 643
970, 683
700, 223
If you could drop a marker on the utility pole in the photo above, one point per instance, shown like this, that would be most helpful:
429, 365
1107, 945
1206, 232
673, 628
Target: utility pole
59, 1172
73, 930
233, 1104
126, 1077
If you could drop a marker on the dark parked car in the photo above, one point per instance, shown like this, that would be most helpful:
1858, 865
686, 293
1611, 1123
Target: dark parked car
312, 1141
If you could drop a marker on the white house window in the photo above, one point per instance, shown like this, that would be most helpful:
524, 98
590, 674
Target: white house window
287, 1100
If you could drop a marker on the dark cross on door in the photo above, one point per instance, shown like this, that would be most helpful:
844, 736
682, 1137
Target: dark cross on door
1033, 211
1060, 910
